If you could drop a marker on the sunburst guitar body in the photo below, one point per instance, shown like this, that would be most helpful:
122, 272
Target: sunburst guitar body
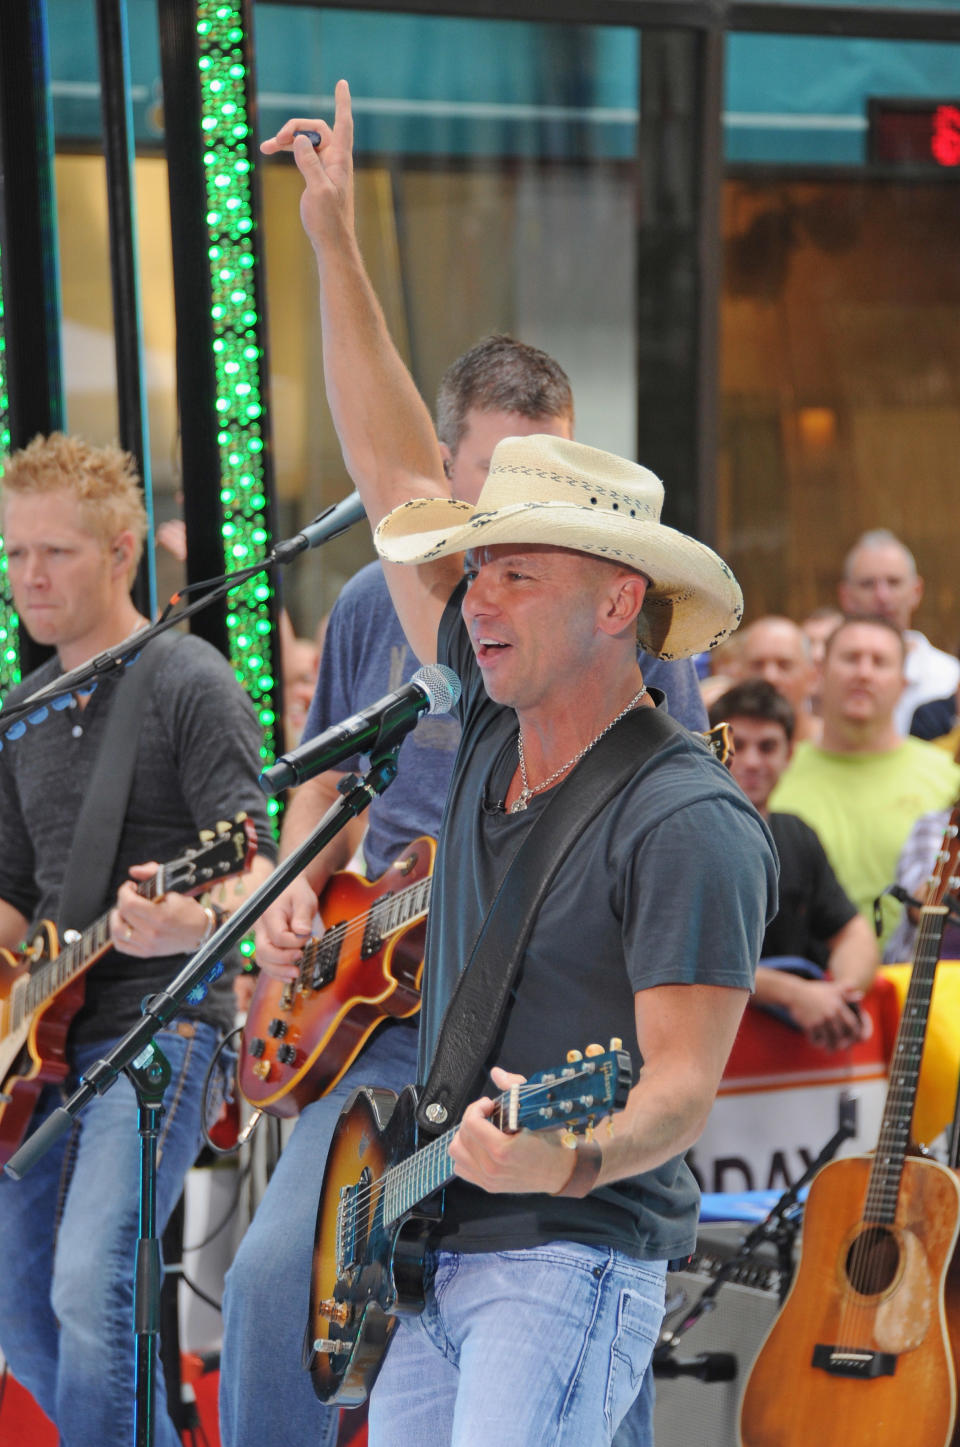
301, 1036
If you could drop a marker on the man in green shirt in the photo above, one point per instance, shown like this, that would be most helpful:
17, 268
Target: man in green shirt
864, 785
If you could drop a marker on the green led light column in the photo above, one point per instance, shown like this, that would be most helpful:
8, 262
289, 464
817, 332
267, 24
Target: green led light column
9, 648
223, 44
206, 51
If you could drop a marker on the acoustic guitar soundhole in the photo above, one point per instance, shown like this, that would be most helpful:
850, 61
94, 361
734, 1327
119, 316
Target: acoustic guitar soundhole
872, 1261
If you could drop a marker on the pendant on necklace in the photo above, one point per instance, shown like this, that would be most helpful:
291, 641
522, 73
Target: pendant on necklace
520, 802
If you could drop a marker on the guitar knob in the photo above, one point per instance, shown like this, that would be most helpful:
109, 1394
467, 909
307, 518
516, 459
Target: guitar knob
335, 1311
286, 1054
277, 1028
592, 1050
256, 1046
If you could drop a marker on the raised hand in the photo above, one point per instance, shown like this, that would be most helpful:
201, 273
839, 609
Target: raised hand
327, 168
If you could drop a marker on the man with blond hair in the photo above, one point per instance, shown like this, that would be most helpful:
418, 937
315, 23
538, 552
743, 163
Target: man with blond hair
74, 526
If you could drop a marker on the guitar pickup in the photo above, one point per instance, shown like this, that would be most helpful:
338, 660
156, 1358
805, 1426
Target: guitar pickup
848, 1362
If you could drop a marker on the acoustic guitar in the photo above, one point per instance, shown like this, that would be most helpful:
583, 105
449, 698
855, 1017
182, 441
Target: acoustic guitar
300, 1036
368, 1250
861, 1352
42, 987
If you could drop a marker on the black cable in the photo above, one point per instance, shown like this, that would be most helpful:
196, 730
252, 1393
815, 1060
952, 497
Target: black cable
231, 1211
179, 1272
227, 1097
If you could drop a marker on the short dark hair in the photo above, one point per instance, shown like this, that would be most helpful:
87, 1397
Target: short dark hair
755, 698
877, 619
500, 374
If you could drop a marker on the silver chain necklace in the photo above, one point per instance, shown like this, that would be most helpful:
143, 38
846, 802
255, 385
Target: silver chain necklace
526, 793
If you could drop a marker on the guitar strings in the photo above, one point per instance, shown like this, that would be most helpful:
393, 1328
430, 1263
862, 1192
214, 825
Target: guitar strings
414, 1165
348, 931
864, 1267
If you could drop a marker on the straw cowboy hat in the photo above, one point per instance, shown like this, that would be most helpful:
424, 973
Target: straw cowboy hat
543, 489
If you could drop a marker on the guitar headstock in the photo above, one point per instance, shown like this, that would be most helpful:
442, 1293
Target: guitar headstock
575, 1096
719, 740
943, 886
227, 849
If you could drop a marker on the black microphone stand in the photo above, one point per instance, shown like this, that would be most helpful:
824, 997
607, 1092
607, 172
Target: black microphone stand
148, 1070
777, 1226
113, 660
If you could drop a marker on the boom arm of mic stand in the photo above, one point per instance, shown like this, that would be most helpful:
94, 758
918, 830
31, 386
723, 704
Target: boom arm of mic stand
135, 1046
769, 1227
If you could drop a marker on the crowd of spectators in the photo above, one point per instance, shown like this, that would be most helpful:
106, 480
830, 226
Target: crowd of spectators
865, 750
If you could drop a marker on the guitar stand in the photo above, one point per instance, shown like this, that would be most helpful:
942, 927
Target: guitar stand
145, 1065
779, 1226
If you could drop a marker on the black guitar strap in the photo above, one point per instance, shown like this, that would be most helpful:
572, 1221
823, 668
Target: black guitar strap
472, 1020
96, 836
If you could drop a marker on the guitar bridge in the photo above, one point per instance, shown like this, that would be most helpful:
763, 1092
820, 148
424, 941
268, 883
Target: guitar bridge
848, 1362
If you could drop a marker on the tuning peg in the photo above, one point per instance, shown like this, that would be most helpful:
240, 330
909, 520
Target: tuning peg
207, 835
615, 1042
223, 826
573, 1056
592, 1050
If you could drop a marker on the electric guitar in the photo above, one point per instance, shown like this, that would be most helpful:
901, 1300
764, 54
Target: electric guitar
366, 1267
861, 1352
42, 986
301, 1036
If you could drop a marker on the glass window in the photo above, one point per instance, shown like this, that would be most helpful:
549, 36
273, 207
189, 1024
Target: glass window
840, 326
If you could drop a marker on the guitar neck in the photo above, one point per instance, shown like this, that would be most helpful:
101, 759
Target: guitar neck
427, 1171
887, 1170
79, 954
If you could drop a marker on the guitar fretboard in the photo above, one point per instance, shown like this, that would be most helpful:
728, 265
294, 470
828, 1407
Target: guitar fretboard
47, 979
884, 1185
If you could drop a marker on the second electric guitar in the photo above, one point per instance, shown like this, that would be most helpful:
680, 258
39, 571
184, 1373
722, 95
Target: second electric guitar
42, 988
301, 1036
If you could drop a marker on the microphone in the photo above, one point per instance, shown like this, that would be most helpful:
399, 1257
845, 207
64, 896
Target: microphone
326, 525
434, 689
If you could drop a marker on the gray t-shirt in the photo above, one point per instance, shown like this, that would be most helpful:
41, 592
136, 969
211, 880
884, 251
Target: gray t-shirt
198, 757
672, 884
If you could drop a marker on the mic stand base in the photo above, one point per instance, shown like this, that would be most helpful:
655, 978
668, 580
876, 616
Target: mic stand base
150, 1081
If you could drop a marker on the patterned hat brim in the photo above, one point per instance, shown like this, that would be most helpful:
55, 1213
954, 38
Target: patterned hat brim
693, 601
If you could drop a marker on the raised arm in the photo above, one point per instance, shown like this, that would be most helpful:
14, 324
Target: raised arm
385, 430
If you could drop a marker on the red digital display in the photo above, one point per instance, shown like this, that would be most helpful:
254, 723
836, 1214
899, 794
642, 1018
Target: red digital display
915, 133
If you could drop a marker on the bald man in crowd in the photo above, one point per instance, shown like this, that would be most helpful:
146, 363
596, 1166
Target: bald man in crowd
880, 578
775, 649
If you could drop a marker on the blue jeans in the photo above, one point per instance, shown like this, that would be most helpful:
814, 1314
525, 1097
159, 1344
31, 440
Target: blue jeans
547, 1347
266, 1395
68, 1234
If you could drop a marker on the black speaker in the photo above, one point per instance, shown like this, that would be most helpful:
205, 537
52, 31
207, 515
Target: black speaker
700, 1382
